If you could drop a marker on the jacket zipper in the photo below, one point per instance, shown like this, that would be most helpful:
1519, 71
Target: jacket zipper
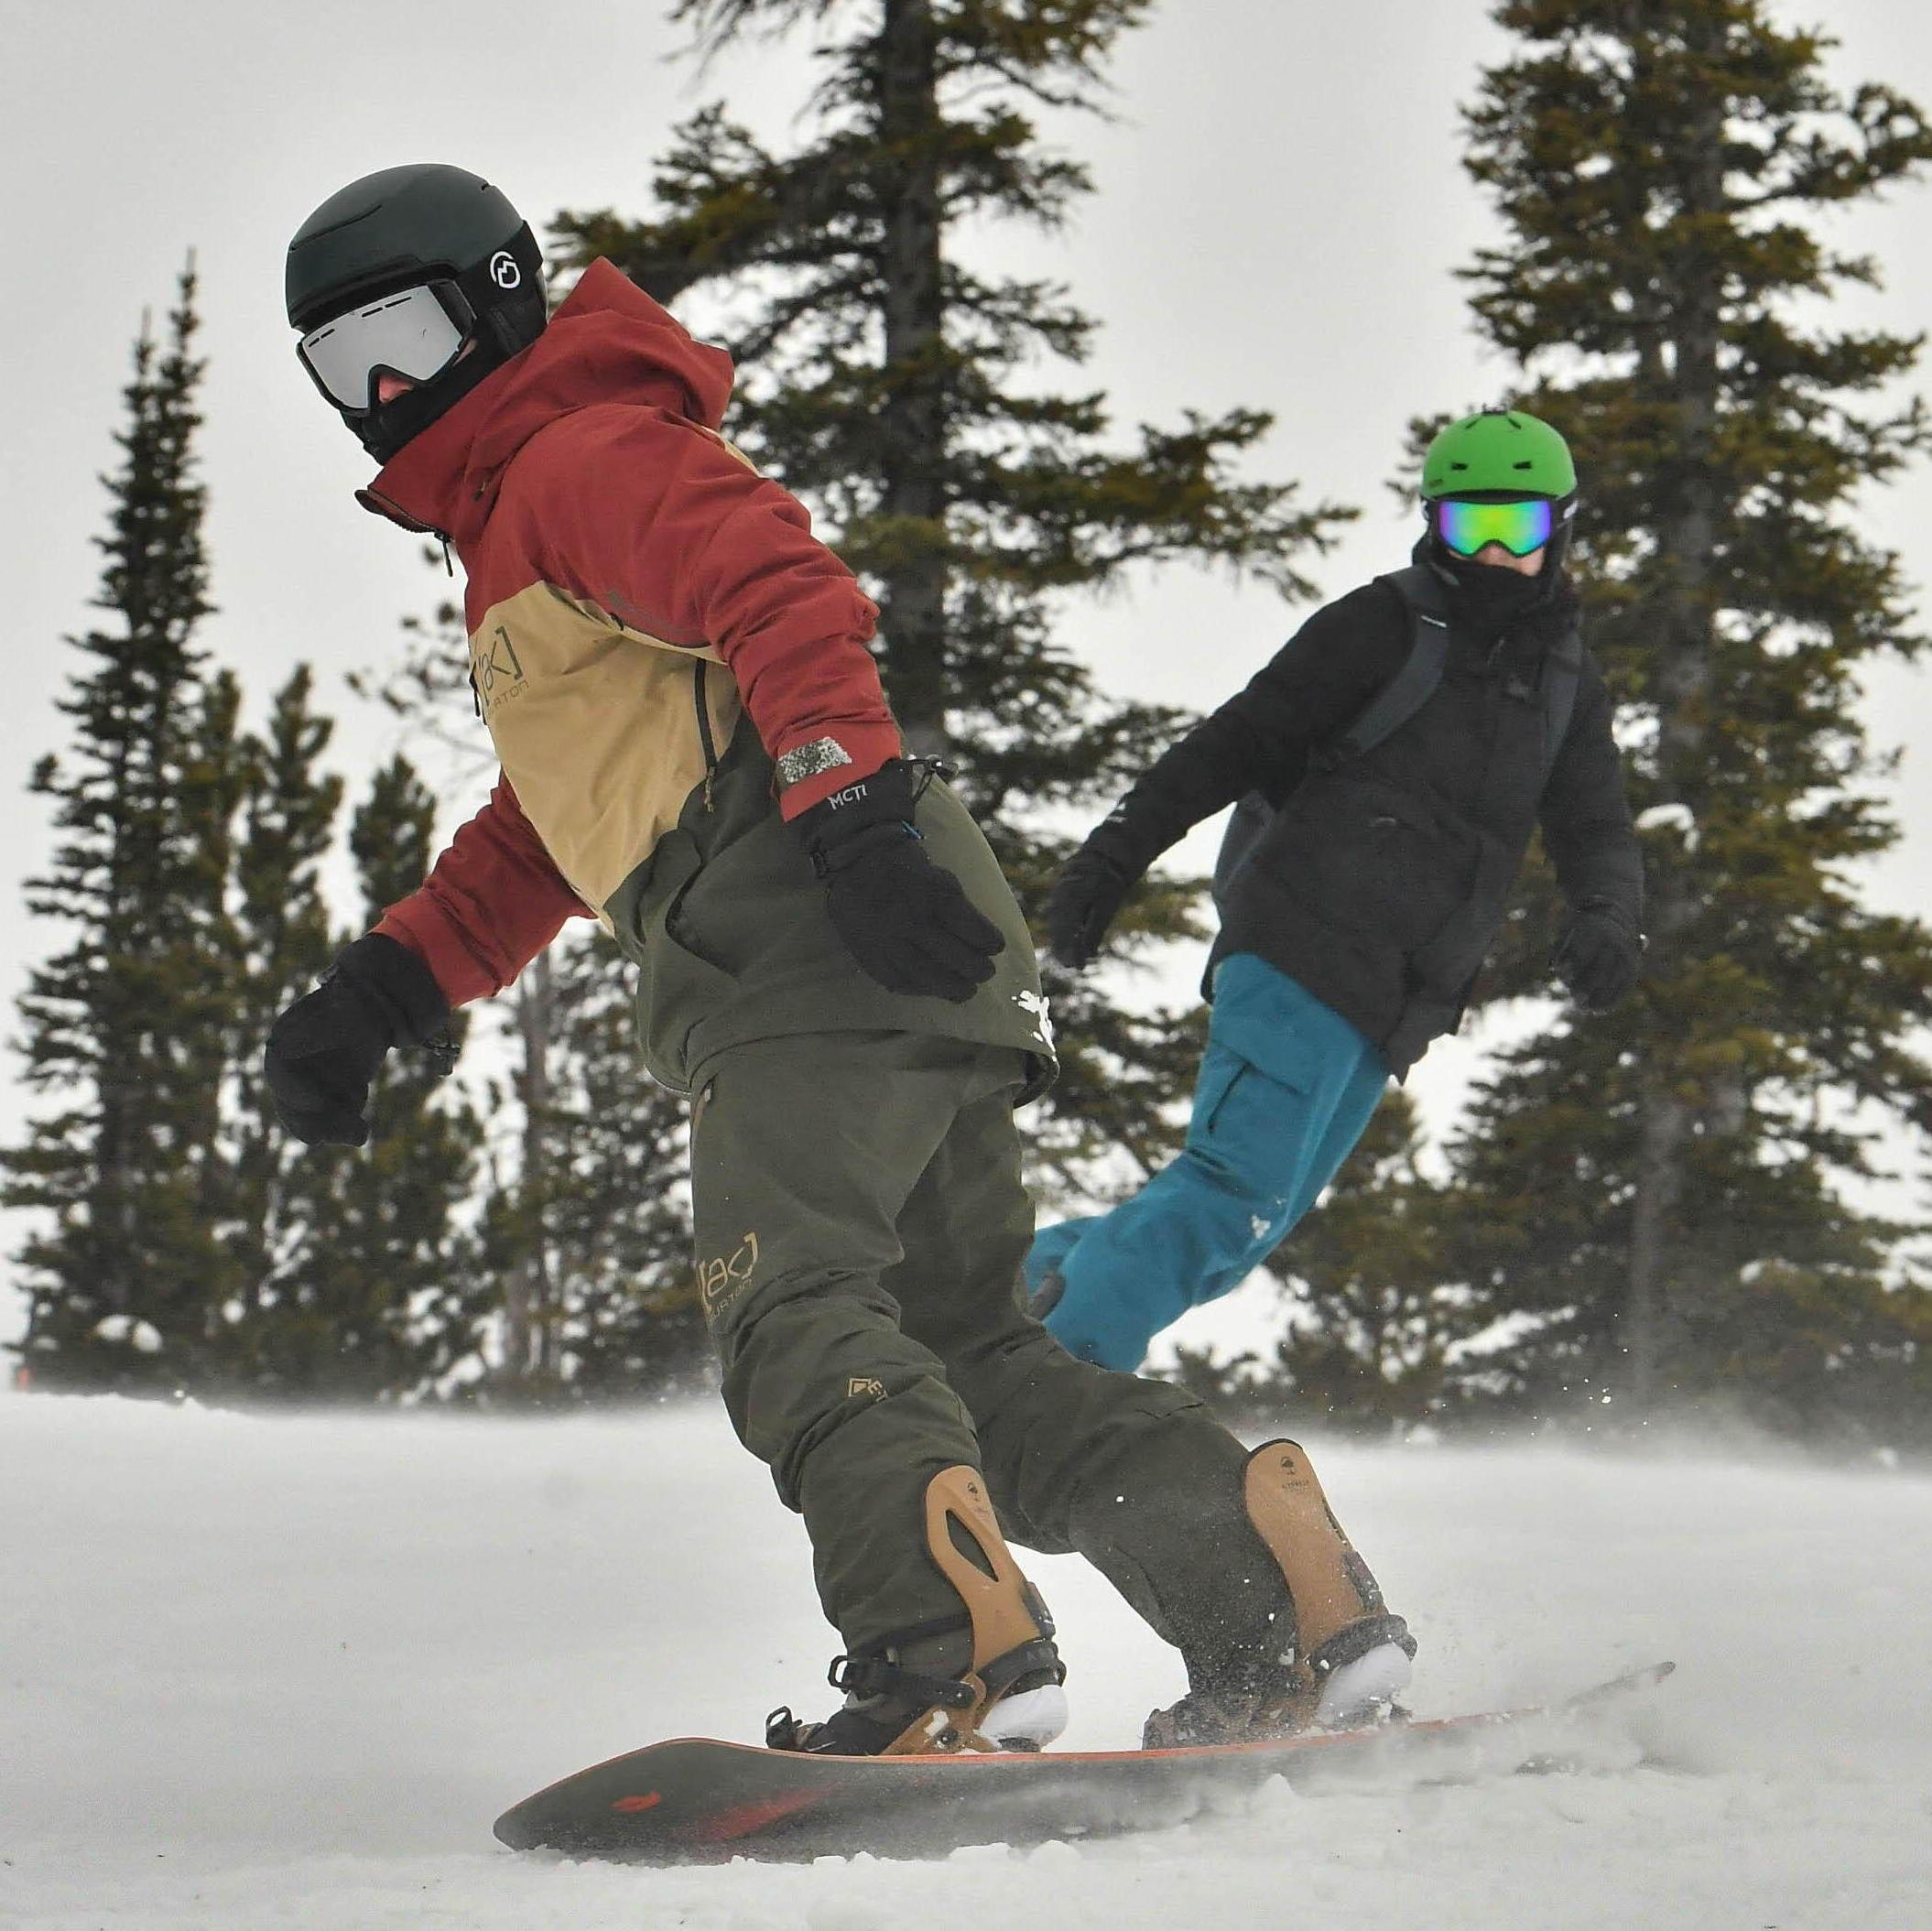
704, 731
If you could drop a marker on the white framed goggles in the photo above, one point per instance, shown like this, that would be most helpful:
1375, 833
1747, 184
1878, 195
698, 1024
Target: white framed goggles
415, 333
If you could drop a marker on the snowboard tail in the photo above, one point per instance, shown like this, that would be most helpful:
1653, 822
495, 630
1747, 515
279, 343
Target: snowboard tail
698, 1800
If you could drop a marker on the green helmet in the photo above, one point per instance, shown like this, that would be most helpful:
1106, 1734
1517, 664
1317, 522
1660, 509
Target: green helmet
1502, 449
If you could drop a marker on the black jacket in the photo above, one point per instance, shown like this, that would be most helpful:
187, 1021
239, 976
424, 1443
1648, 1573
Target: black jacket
1379, 884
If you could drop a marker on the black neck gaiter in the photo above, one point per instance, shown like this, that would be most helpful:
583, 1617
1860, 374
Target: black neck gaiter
1487, 602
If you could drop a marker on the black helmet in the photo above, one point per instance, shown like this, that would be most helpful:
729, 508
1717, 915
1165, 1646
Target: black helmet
432, 276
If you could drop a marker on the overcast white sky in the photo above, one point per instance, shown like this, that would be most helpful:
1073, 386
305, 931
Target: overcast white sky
1280, 210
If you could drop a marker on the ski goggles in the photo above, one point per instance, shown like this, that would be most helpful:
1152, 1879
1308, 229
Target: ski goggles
415, 333
1467, 527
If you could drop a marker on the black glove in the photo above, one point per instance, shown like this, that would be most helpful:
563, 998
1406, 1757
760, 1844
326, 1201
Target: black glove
324, 1050
906, 920
1598, 955
1091, 887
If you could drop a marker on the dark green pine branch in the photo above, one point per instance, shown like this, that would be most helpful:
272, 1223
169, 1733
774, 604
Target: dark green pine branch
375, 1290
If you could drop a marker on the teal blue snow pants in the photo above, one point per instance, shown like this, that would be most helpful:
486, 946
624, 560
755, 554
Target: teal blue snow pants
1285, 1089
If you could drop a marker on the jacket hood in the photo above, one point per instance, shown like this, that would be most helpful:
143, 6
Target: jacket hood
608, 343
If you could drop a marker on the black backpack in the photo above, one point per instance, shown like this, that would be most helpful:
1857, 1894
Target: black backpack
1399, 699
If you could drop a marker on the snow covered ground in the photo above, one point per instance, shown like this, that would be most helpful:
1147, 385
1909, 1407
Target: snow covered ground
266, 1672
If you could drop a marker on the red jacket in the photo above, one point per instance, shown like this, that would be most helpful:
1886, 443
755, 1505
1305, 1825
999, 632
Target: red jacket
613, 543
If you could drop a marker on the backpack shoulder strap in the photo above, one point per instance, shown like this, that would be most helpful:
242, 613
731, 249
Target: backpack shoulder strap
1386, 713
1563, 671
1415, 684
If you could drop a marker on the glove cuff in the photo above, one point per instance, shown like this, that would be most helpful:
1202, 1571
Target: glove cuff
399, 988
870, 810
1134, 834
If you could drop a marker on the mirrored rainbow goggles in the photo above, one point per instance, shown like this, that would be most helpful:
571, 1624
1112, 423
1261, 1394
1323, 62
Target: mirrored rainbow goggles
1468, 527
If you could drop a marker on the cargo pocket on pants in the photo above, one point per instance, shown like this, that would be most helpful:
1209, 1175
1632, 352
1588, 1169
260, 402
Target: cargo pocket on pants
1220, 1077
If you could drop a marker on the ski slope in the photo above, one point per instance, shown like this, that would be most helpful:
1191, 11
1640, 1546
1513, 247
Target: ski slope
283, 1672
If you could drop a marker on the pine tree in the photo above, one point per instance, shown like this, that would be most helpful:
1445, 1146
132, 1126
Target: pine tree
125, 1030
594, 1233
377, 1290
889, 382
1663, 1192
202, 993
288, 824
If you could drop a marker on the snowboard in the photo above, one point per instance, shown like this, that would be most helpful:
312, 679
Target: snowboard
698, 1800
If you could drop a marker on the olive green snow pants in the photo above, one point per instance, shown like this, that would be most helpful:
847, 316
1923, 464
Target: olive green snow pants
860, 1223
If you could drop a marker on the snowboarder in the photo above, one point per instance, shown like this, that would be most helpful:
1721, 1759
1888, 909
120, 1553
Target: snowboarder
696, 750
1390, 763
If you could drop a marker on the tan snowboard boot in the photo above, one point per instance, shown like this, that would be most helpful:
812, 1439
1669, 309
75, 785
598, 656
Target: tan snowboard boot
989, 1679
1343, 1662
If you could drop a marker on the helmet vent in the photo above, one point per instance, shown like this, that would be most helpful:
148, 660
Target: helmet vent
1498, 450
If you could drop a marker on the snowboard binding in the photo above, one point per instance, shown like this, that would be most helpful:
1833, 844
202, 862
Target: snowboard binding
1346, 1659
987, 1680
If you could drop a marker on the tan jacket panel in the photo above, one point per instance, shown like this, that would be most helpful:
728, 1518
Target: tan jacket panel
596, 724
